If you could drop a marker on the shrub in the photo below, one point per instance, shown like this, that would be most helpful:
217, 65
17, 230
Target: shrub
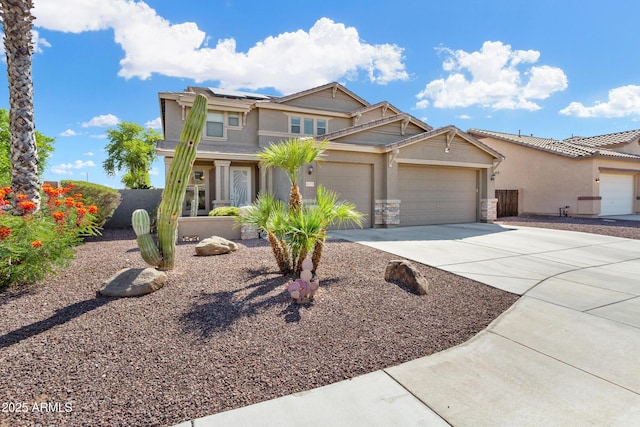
35, 243
105, 198
225, 211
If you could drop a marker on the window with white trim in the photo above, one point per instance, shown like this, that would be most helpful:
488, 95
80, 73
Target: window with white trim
307, 125
219, 121
215, 124
233, 119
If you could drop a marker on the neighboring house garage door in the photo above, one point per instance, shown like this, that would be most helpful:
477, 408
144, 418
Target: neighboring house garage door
616, 191
437, 195
352, 181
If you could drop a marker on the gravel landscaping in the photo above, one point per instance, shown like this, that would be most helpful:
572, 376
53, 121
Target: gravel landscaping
223, 333
608, 227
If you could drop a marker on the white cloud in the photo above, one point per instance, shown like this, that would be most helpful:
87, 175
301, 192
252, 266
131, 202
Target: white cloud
103, 120
154, 171
464, 116
289, 61
38, 42
88, 154
623, 101
67, 168
101, 136
495, 77
68, 132
154, 124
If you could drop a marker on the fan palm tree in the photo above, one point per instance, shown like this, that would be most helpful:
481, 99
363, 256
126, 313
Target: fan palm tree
268, 215
331, 212
17, 22
290, 156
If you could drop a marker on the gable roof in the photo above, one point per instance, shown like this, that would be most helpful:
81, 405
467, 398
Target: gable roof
574, 147
376, 123
446, 129
333, 85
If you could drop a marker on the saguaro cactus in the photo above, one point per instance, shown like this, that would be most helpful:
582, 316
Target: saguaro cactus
163, 256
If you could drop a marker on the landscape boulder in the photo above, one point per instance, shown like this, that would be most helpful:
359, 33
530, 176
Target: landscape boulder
404, 272
133, 282
215, 246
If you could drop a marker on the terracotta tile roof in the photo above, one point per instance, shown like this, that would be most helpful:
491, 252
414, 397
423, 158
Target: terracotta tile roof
608, 140
575, 147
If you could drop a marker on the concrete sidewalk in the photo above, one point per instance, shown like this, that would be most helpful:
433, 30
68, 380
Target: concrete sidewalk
565, 354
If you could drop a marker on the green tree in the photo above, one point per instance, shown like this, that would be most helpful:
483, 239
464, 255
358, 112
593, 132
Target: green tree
17, 22
294, 231
44, 145
131, 148
290, 156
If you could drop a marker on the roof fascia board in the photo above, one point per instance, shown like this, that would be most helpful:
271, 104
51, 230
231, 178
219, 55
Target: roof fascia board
409, 161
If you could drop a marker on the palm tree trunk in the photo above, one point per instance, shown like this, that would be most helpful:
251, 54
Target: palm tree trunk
285, 254
301, 257
17, 22
278, 253
317, 250
295, 198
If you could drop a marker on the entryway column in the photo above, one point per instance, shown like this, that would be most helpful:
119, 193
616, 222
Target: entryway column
265, 180
222, 183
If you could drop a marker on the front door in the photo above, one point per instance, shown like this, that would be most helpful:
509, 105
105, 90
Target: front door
240, 185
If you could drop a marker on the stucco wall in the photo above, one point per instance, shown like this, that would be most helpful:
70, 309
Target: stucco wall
132, 200
325, 100
546, 181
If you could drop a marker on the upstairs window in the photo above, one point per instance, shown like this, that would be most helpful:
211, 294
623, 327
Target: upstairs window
321, 127
215, 124
295, 124
233, 119
307, 126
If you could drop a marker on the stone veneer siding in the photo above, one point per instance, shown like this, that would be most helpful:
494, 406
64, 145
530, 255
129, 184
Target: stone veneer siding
488, 210
387, 212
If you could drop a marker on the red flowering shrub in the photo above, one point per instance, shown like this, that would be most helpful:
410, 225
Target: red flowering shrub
36, 242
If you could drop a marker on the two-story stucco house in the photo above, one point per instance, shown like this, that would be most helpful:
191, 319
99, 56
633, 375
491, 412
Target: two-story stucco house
582, 176
397, 169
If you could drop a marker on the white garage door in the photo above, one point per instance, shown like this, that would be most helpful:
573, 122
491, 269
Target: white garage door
352, 181
616, 191
437, 195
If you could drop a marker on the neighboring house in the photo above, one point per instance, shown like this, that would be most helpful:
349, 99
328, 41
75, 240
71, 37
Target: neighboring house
594, 176
396, 169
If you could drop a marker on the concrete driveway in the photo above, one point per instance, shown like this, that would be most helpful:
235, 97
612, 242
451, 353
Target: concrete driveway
566, 354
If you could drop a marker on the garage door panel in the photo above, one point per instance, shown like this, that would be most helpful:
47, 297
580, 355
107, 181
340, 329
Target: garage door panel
437, 195
352, 181
617, 194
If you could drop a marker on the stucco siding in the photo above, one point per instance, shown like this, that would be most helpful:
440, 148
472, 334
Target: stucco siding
547, 181
173, 121
325, 100
434, 149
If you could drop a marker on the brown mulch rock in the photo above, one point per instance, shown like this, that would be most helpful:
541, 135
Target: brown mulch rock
221, 334
608, 227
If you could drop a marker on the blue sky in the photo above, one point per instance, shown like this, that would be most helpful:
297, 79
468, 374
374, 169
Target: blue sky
546, 67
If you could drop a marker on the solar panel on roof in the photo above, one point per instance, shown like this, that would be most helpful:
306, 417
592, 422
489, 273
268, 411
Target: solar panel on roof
236, 93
